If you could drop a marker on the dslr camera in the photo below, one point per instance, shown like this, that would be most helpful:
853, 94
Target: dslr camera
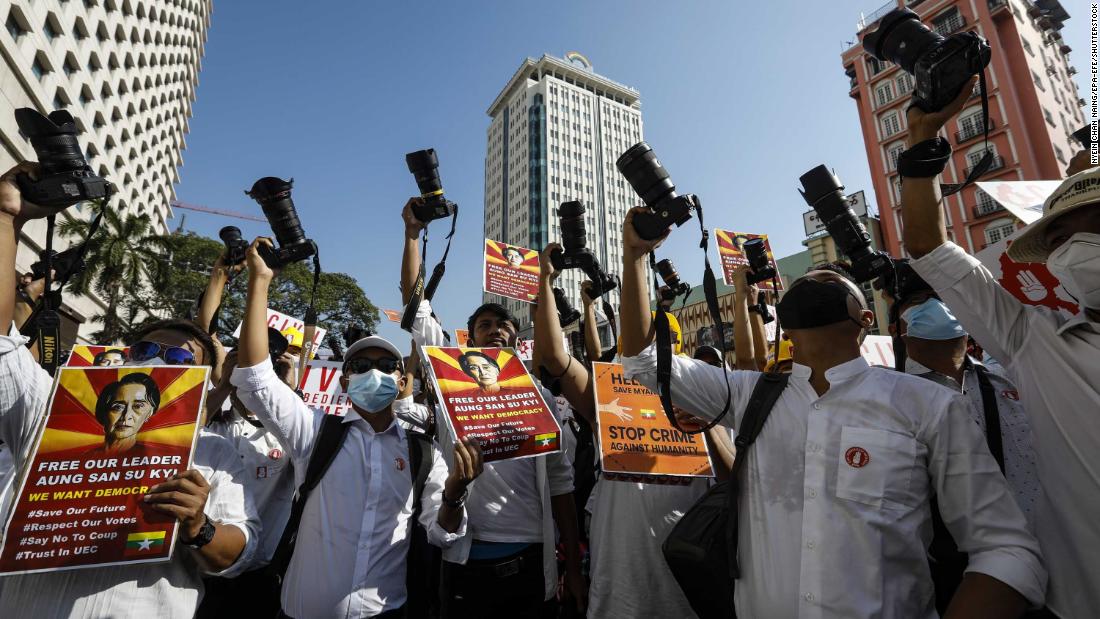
273, 195
940, 66
235, 246
673, 286
575, 253
65, 264
824, 193
65, 177
902, 281
424, 166
650, 181
760, 266
567, 314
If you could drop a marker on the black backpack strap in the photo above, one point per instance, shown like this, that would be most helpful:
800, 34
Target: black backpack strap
992, 416
420, 464
329, 439
764, 396
422, 562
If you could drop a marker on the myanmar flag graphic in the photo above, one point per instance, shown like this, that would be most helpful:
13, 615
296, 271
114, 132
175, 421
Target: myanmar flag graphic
546, 440
648, 414
145, 542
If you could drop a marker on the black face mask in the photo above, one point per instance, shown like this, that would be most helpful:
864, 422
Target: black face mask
811, 304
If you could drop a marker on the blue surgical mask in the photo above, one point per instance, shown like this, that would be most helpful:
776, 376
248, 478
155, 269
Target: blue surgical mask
372, 391
932, 320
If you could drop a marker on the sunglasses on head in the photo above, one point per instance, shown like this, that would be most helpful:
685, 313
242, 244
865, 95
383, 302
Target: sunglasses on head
172, 355
362, 365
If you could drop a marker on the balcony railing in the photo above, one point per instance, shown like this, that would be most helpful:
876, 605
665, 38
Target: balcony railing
997, 4
998, 163
877, 14
972, 132
987, 208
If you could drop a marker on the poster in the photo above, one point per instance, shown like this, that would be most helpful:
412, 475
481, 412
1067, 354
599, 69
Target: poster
634, 434
878, 350
281, 322
83, 356
392, 315
487, 393
462, 337
511, 271
321, 387
1024, 199
729, 250
110, 434
1030, 282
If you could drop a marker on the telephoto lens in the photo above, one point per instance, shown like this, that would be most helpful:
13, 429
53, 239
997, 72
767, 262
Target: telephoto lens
760, 266
824, 193
273, 195
65, 177
235, 246
567, 314
573, 234
650, 180
671, 279
424, 166
940, 66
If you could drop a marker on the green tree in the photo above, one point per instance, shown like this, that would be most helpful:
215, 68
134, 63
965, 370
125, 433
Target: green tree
339, 302
122, 257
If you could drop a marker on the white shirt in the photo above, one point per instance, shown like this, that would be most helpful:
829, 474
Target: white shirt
835, 515
630, 522
1016, 442
1056, 363
170, 589
411, 415
268, 475
353, 540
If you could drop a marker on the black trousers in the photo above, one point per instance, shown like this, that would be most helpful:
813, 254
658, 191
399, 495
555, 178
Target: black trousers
252, 594
508, 588
396, 613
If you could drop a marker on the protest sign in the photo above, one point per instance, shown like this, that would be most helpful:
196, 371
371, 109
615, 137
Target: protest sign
83, 356
878, 350
526, 348
321, 387
729, 249
1024, 199
487, 393
1029, 282
511, 271
636, 437
462, 337
109, 435
281, 323
392, 315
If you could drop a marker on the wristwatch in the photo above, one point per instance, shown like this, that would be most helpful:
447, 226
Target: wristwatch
206, 533
459, 502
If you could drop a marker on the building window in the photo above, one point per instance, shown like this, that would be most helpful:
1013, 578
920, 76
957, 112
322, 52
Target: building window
1049, 118
885, 93
947, 22
47, 29
1038, 81
893, 153
1000, 229
1027, 47
39, 68
15, 29
1059, 155
970, 125
905, 84
891, 124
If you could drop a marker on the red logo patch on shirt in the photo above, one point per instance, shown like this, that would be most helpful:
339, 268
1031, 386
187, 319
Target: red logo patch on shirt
275, 454
857, 457
399, 463
1011, 395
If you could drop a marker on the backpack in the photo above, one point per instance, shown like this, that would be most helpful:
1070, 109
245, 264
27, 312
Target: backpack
330, 438
701, 550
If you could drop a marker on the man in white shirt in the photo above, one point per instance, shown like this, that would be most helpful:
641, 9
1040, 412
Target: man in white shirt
1054, 359
506, 567
353, 540
834, 510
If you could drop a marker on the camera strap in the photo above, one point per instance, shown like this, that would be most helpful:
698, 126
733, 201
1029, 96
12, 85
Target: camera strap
983, 165
310, 323
421, 292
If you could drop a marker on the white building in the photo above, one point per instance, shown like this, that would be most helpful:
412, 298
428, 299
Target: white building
557, 128
127, 71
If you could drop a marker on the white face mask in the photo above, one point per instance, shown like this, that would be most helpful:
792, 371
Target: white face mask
1076, 264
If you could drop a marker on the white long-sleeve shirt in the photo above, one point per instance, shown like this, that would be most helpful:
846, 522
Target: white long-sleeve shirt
171, 589
353, 540
1055, 362
834, 511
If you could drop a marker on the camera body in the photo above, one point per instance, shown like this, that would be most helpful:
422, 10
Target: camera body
902, 281
940, 66
65, 264
673, 286
575, 253
824, 193
235, 246
567, 314
424, 166
760, 266
650, 180
273, 195
65, 178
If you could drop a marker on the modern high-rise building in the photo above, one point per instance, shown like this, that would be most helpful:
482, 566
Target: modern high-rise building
127, 71
557, 128
1034, 107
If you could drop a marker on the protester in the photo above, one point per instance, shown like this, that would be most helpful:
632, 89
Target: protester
846, 466
1054, 358
336, 569
506, 566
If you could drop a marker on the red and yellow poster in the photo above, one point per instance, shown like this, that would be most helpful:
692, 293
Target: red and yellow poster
636, 437
729, 249
98, 356
511, 271
487, 393
110, 435
321, 387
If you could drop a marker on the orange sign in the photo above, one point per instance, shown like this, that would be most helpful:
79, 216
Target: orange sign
98, 356
636, 437
462, 337
511, 271
729, 249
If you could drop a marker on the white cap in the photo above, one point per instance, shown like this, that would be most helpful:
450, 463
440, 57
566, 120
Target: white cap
1081, 189
373, 341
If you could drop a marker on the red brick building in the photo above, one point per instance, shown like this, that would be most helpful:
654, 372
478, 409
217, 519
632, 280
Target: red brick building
1034, 106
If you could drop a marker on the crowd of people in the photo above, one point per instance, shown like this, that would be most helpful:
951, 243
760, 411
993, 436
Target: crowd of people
955, 485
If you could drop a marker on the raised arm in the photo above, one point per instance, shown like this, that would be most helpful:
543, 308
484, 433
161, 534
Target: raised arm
220, 275
410, 256
592, 347
743, 344
576, 383
635, 323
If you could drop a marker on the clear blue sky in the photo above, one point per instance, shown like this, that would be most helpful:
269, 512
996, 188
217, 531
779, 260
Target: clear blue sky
738, 100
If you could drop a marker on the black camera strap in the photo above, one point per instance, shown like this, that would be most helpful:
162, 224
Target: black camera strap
421, 291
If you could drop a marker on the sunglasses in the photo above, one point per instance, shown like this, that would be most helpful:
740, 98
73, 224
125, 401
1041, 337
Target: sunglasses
172, 355
362, 365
